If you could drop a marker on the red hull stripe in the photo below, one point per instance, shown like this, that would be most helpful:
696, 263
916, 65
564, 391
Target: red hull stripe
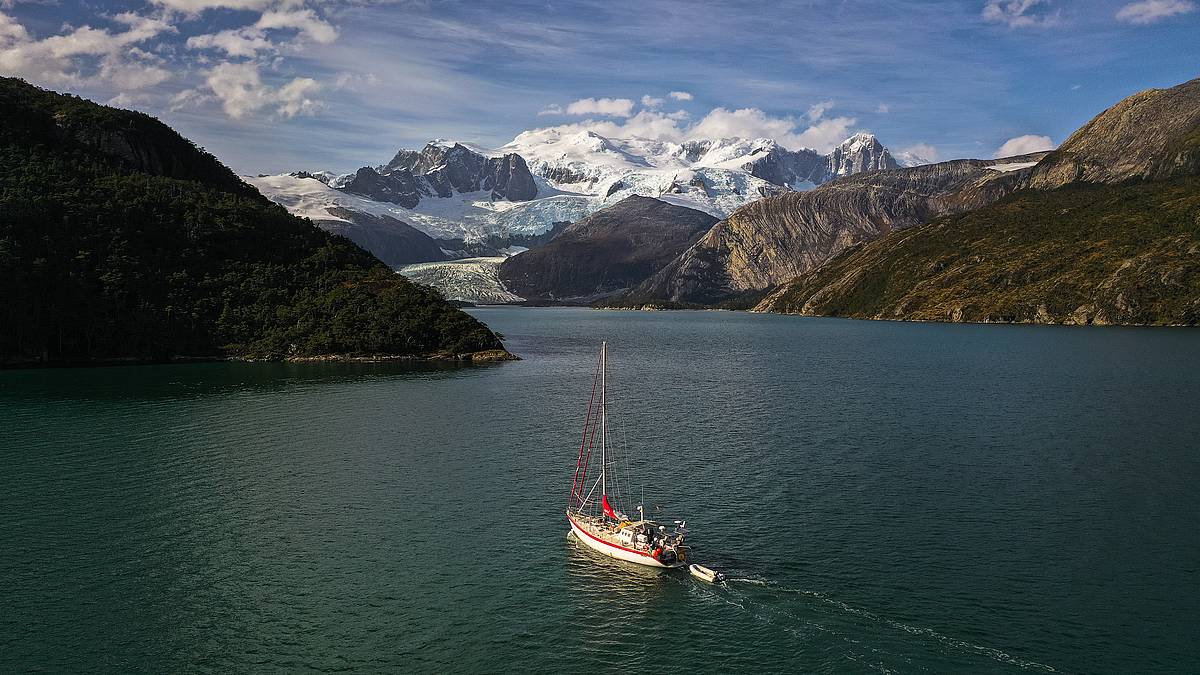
606, 543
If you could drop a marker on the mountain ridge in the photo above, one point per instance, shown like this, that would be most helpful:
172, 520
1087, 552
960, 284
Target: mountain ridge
454, 190
1106, 231
772, 240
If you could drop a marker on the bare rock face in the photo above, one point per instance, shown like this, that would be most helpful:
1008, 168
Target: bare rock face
605, 253
772, 240
397, 187
792, 168
857, 154
446, 169
509, 177
1152, 135
140, 143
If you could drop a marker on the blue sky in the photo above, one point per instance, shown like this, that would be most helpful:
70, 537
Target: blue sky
275, 85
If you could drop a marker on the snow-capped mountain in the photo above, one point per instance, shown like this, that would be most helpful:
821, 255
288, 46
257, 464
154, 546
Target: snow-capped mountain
452, 190
587, 161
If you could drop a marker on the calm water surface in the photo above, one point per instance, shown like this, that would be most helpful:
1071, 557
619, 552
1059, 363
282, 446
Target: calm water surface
887, 497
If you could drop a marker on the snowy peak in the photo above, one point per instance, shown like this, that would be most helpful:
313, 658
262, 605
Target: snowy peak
592, 163
861, 152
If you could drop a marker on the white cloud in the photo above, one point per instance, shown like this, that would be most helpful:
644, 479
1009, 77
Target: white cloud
128, 101
645, 124
552, 109
744, 123
720, 123
612, 107
917, 154
817, 110
240, 88
234, 42
1020, 13
66, 59
188, 98
197, 6
1025, 144
304, 20
250, 40
822, 136
1150, 11
680, 95
883, 108
652, 102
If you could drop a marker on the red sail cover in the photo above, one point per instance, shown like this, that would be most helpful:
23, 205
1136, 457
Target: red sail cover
608, 509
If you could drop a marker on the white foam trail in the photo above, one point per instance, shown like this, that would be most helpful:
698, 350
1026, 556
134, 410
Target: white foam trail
961, 645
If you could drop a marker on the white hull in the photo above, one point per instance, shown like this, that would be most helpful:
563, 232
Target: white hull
614, 551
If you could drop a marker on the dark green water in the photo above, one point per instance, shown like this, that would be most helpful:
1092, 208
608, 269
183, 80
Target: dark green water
888, 497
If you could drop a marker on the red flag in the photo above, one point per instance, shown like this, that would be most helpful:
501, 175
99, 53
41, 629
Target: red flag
608, 510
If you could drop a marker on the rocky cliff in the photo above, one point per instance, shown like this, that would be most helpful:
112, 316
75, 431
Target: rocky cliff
441, 170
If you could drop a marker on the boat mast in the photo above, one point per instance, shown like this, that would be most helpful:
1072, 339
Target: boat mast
603, 418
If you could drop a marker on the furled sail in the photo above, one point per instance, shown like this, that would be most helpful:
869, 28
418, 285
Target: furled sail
608, 509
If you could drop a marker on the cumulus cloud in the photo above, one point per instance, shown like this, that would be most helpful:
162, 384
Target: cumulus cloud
1025, 144
1020, 13
305, 21
250, 40
645, 124
198, 6
917, 154
242, 92
610, 107
652, 102
66, 59
234, 42
680, 95
822, 135
1150, 11
817, 110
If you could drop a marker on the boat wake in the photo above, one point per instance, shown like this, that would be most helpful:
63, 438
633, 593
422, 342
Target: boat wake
767, 600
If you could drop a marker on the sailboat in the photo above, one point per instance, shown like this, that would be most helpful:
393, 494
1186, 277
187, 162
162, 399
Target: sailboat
594, 513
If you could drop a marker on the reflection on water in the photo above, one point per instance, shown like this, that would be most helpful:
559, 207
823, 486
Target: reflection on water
180, 381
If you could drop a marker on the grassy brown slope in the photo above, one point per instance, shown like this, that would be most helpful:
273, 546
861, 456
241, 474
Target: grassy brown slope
1081, 254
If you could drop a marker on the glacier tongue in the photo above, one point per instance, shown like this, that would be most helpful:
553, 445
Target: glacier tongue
473, 280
